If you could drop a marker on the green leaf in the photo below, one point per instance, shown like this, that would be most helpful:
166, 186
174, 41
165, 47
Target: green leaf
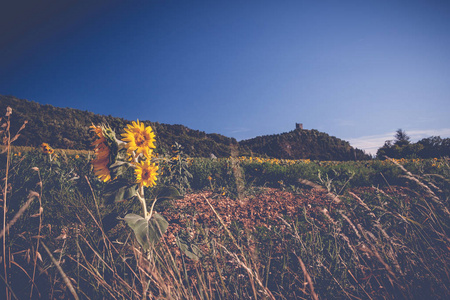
140, 228
166, 193
118, 168
125, 193
147, 232
116, 184
191, 250
157, 227
119, 190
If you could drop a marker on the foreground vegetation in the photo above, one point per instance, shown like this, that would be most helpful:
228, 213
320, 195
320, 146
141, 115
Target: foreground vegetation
380, 242
244, 228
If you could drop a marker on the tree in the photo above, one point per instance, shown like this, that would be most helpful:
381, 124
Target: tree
401, 138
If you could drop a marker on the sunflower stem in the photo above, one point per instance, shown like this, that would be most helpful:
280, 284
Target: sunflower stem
141, 197
151, 209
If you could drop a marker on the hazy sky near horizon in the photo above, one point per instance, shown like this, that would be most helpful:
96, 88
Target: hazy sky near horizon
358, 70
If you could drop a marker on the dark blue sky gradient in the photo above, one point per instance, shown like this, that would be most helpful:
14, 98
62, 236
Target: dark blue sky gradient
353, 69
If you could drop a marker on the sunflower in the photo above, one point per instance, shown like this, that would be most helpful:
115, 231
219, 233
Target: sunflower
46, 149
139, 138
146, 173
102, 155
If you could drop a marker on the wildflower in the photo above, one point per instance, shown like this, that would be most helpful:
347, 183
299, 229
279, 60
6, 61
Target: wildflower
139, 139
46, 149
146, 173
77, 156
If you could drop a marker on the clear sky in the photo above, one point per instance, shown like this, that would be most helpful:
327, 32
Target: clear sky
358, 70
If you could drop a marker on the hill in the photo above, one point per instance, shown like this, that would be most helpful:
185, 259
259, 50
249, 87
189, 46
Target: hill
302, 143
68, 128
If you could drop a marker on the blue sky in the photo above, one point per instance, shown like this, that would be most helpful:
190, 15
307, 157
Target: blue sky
358, 70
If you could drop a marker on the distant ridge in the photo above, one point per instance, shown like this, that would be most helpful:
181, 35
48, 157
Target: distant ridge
68, 128
302, 143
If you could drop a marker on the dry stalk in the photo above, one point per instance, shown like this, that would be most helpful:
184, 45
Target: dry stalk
9, 287
354, 278
363, 204
24, 207
377, 255
308, 278
432, 184
5, 191
341, 234
351, 223
60, 270
39, 232
432, 195
245, 263
337, 282
108, 243
99, 279
391, 253
315, 186
251, 274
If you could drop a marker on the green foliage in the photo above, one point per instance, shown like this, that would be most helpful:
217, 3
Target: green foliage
401, 138
214, 174
217, 174
434, 146
64, 184
147, 231
162, 193
176, 169
401, 147
119, 190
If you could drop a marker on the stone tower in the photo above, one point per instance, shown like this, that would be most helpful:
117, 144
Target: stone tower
299, 126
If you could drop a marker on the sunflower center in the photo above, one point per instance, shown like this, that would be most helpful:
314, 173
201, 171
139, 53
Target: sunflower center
145, 174
140, 139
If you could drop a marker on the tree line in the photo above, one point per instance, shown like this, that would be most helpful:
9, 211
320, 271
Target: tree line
402, 147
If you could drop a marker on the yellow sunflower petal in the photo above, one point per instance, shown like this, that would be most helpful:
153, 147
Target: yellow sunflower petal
102, 153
